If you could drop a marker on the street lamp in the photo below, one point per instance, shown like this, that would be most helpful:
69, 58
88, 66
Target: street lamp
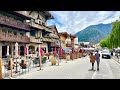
16, 55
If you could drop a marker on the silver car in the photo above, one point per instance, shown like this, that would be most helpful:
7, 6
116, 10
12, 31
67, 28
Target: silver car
106, 54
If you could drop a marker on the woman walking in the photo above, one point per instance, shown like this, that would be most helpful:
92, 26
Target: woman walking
92, 60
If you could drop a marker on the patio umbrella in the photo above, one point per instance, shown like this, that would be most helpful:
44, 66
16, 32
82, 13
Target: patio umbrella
40, 51
16, 49
8, 50
60, 51
26, 51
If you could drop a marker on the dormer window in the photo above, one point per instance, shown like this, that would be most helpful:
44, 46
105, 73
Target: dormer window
37, 21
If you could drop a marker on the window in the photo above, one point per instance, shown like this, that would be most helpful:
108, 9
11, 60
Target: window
15, 33
9, 31
40, 22
31, 49
4, 31
32, 33
54, 32
22, 34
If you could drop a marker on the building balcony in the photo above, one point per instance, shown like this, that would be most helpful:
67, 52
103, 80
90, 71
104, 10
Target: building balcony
47, 39
23, 13
55, 44
39, 26
53, 36
36, 40
4, 20
68, 45
13, 38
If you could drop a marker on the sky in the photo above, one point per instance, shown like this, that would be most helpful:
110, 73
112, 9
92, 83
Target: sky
75, 21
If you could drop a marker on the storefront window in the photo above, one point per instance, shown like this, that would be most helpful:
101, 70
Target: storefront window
31, 49
44, 49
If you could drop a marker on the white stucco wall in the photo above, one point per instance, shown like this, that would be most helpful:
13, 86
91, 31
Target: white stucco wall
76, 42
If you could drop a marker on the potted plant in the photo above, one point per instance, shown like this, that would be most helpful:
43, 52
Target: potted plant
44, 59
54, 59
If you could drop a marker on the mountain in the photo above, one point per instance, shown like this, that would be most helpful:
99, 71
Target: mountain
94, 33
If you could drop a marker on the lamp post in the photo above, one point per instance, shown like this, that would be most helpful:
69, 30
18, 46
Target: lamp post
40, 61
16, 55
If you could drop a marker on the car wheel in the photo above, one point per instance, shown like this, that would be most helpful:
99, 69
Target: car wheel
108, 57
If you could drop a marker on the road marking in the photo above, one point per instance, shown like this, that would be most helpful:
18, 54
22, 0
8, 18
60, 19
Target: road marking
94, 75
115, 61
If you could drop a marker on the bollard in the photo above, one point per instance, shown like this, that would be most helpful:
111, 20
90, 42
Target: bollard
11, 67
0, 68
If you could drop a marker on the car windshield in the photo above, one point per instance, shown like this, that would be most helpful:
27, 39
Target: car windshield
105, 52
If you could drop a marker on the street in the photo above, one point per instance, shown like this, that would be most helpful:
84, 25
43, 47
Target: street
76, 69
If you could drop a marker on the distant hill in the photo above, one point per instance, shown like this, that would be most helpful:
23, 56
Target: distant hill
94, 33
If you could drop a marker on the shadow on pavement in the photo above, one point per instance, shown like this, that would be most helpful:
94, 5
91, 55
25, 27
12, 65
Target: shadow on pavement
91, 70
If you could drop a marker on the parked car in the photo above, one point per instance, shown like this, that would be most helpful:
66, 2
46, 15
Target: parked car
106, 54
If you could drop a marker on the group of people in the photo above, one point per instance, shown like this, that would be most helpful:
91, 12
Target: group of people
94, 58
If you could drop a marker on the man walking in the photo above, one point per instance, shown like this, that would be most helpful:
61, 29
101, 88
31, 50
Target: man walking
97, 56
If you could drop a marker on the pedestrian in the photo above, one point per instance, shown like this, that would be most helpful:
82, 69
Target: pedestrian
97, 56
111, 52
92, 60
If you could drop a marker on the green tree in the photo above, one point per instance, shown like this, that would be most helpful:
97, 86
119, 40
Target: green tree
113, 39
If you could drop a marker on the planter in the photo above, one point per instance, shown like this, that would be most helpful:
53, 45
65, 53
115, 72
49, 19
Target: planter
72, 56
53, 61
77, 55
63, 56
44, 60
50, 58
68, 57
80, 55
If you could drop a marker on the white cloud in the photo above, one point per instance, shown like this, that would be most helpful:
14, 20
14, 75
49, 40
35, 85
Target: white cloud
74, 21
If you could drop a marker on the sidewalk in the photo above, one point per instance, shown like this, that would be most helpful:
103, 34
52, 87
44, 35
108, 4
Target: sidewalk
116, 59
45, 66
62, 71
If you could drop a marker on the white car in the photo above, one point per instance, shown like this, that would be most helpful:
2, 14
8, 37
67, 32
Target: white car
106, 54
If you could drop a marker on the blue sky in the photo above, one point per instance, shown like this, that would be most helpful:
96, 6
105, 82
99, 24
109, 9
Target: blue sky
74, 21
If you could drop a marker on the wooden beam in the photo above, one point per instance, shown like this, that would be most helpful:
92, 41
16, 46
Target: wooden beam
0, 68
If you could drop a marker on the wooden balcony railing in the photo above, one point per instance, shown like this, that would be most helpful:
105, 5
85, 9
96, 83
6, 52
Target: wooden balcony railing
24, 13
34, 40
68, 45
47, 39
14, 38
4, 20
39, 26
55, 44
